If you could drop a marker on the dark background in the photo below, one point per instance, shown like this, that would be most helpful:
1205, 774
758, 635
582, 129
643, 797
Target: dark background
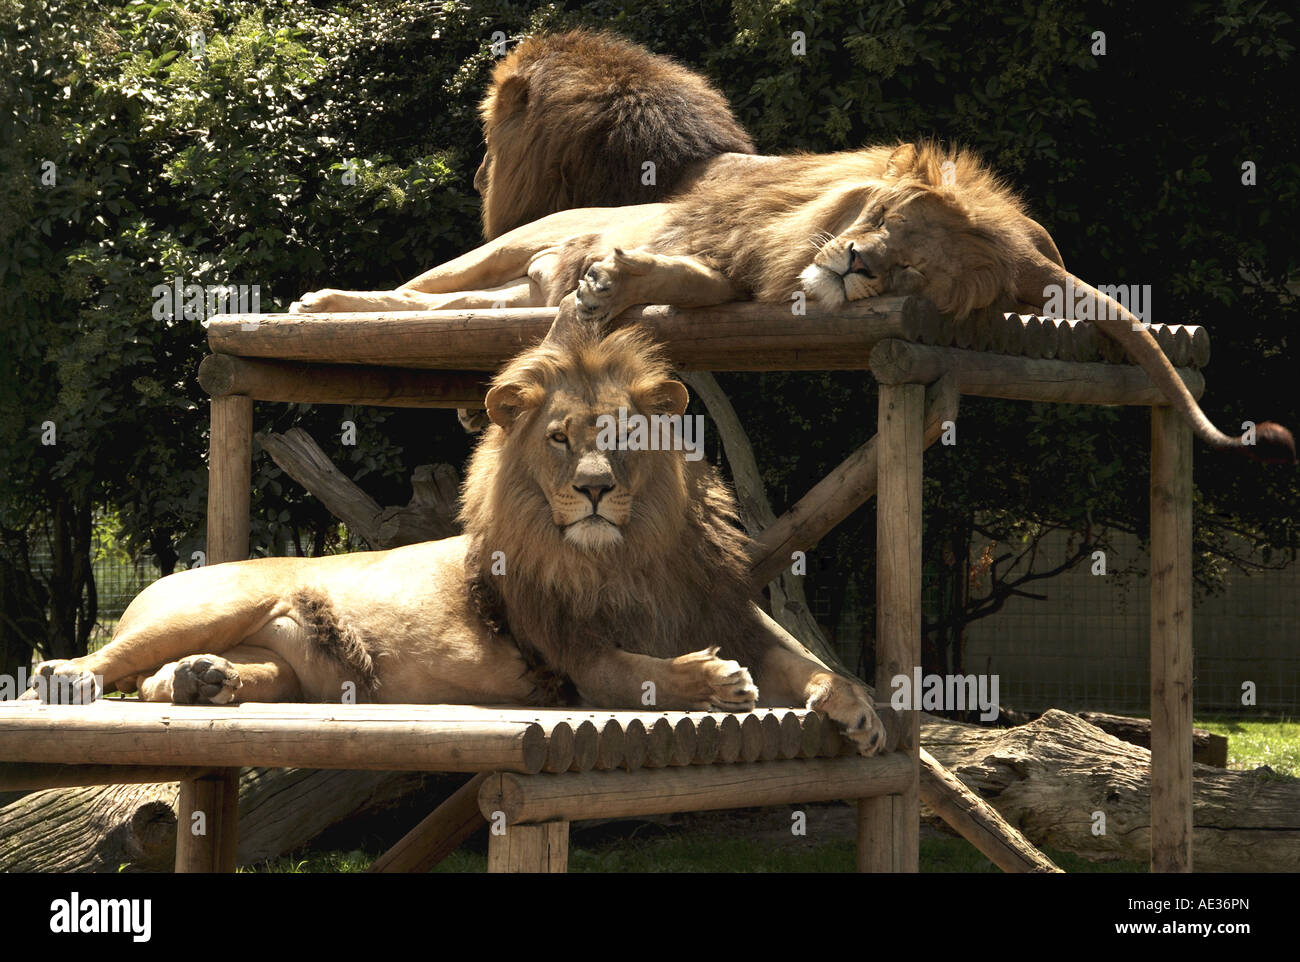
227, 167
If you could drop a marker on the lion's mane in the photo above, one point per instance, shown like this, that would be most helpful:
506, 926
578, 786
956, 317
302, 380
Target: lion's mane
570, 119
677, 582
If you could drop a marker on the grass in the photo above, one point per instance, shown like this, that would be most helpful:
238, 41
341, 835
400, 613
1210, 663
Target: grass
688, 854
1274, 742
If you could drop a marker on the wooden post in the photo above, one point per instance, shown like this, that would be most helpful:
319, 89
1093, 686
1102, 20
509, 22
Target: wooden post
230, 478
1171, 642
206, 843
530, 848
889, 827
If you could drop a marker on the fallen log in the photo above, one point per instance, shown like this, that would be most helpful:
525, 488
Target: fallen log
103, 829
1069, 786
1207, 748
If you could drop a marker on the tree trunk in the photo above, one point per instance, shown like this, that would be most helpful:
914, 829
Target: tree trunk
102, 828
1059, 779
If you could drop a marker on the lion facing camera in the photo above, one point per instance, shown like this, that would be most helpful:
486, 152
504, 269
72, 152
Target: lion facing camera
589, 562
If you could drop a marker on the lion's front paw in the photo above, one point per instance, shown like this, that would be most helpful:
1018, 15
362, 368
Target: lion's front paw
63, 682
320, 302
848, 703
710, 683
204, 679
600, 292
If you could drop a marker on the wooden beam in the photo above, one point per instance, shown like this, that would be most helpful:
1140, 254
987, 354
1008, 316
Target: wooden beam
230, 478
977, 821
415, 738
530, 848
742, 336
888, 827
207, 815
439, 833
1019, 378
267, 380
1171, 642
839, 494
543, 798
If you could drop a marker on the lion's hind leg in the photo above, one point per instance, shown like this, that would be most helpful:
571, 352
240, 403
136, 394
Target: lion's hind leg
245, 673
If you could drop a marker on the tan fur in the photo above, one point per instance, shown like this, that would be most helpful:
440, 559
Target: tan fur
631, 106
911, 218
622, 572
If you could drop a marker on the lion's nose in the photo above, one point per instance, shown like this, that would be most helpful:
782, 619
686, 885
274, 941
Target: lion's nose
594, 491
858, 264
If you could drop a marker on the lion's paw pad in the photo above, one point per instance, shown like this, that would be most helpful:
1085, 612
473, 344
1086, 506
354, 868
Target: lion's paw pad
206, 679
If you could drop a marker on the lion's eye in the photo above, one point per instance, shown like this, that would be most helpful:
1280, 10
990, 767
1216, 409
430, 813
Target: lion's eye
559, 437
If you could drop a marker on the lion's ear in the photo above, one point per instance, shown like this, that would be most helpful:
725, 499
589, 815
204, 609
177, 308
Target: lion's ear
506, 402
665, 397
901, 162
509, 98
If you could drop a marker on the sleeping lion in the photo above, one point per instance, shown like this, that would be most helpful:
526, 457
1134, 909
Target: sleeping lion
570, 121
614, 576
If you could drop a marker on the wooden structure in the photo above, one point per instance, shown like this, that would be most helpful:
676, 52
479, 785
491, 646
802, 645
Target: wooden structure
538, 772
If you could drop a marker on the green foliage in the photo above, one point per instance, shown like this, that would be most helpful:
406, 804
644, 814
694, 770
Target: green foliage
294, 145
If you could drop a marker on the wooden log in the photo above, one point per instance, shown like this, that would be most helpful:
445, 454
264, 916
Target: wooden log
635, 744
302, 383
659, 741
438, 834
888, 827
559, 745
792, 736
1207, 747
32, 777
330, 736
728, 739
698, 788
771, 736
706, 740
1049, 337
102, 829
751, 738
230, 472
612, 744
1023, 379
1200, 346
586, 745
207, 815
530, 848
1048, 777
839, 494
977, 821
741, 336
431, 514
1171, 642
810, 732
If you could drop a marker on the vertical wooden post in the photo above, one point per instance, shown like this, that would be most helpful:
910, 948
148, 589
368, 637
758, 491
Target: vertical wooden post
530, 848
207, 843
230, 481
1171, 642
889, 827
230, 478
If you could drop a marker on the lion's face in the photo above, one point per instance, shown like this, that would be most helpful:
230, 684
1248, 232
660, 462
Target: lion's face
905, 241
567, 440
